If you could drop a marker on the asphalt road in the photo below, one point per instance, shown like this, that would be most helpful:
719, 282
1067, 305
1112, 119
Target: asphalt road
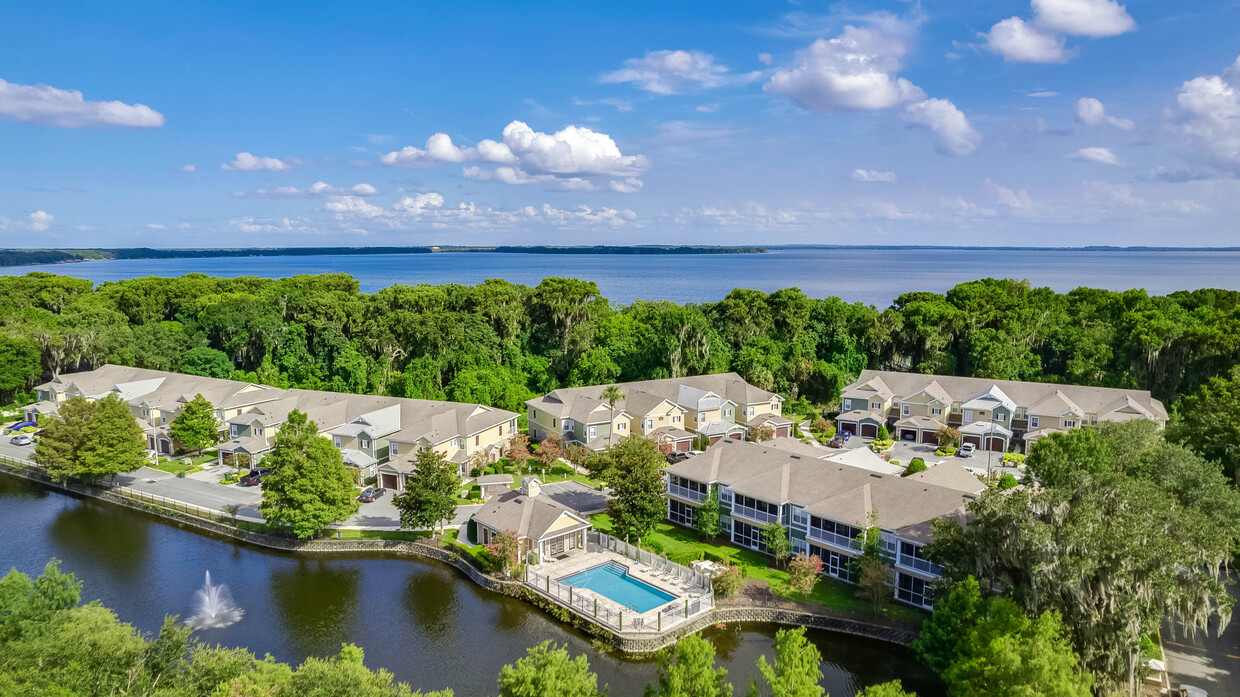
188, 490
1207, 660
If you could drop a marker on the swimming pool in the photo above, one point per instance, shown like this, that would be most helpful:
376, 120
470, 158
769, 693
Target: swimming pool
613, 581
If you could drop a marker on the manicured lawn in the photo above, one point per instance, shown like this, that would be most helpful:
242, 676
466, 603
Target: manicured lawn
408, 535
682, 546
450, 539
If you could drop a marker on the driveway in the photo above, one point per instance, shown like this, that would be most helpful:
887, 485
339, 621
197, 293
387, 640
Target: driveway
211, 495
1206, 660
19, 452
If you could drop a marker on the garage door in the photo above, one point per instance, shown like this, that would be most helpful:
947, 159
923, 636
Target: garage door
781, 432
387, 481
849, 428
683, 446
995, 444
975, 440
869, 430
735, 436
930, 437
908, 434
715, 439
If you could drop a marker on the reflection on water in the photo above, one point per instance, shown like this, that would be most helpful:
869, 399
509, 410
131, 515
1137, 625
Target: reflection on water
423, 621
317, 603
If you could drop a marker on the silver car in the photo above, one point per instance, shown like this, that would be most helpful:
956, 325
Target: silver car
21, 439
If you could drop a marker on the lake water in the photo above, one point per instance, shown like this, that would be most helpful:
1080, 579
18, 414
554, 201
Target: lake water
424, 622
872, 276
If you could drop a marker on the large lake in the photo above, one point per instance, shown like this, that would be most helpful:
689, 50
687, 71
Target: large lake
424, 622
872, 276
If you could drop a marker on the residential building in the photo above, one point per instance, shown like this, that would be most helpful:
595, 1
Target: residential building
542, 525
824, 505
675, 412
378, 436
997, 415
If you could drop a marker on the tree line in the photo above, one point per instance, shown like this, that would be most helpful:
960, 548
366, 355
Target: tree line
54, 644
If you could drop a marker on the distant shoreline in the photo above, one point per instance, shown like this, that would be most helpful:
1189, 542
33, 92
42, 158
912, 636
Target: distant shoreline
30, 257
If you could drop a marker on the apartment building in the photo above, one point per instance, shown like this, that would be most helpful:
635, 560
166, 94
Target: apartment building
997, 415
379, 436
825, 505
674, 412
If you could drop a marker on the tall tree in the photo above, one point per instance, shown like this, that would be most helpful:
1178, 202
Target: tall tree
687, 669
873, 567
58, 448
953, 617
309, 486
796, 670
1006, 654
91, 440
612, 394
1200, 422
887, 689
778, 543
548, 671
195, 427
430, 492
636, 479
706, 517
207, 362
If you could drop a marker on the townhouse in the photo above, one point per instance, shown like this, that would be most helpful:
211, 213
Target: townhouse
825, 505
379, 436
996, 415
675, 412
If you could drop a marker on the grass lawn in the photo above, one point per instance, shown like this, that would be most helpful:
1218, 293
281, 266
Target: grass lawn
682, 546
408, 535
450, 539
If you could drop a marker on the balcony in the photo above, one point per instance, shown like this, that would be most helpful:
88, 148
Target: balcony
840, 541
686, 493
922, 565
755, 515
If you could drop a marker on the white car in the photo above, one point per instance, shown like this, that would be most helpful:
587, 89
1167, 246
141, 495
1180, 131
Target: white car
966, 450
21, 439
1190, 691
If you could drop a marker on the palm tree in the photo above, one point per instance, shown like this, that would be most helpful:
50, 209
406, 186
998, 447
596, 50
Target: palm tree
612, 394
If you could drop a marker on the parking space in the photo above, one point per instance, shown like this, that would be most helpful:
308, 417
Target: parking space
193, 491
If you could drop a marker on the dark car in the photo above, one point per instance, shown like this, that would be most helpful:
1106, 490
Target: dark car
677, 456
371, 494
840, 439
255, 476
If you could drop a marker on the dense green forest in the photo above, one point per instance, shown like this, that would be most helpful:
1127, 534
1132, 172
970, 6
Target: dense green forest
499, 343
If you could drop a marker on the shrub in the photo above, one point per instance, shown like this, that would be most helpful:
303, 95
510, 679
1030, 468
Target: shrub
475, 472
1013, 459
883, 433
821, 425
803, 573
1007, 481
917, 465
945, 450
879, 445
729, 582
231, 478
895, 462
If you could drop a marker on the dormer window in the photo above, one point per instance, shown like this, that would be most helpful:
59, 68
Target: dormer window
363, 443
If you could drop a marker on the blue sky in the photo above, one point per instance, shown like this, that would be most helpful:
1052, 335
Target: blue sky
1042, 122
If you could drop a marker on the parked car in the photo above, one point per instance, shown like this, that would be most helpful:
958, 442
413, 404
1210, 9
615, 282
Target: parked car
840, 439
22, 439
371, 494
255, 476
966, 450
678, 456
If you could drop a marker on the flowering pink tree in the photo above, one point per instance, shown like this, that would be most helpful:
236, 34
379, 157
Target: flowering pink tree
803, 573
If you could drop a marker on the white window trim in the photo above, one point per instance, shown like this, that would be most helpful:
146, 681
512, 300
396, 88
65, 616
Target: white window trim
1033, 422
906, 410
1069, 423
1001, 417
968, 416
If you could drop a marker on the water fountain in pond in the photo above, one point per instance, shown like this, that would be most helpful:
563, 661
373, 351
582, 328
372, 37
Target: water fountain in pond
214, 607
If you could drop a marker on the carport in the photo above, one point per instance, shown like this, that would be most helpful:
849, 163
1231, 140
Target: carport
859, 422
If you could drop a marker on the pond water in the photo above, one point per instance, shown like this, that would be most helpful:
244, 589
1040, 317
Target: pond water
425, 622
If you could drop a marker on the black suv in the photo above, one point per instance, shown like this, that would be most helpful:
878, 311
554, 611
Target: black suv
255, 476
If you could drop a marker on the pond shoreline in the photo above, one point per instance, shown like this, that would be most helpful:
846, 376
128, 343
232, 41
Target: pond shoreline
745, 608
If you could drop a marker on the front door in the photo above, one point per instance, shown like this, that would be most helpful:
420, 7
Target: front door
555, 547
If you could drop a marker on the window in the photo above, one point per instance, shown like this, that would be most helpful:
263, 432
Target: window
680, 513
914, 591
701, 418
747, 535
395, 449
593, 432
676, 419
905, 410
876, 405
649, 424
1033, 422
363, 443
1069, 423
968, 415
501, 429
1000, 417
258, 431
477, 440
622, 426
834, 563
459, 443
335, 439
936, 411
847, 405
955, 408
727, 413
748, 411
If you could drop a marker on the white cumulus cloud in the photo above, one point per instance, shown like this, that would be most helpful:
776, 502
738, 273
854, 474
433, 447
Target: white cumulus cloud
1008, 197
953, 133
628, 185
315, 190
1091, 112
1102, 156
39, 221
247, 162
1208, 117
48, 106
1096, 18
853, 71
1017, 40
675, 72
353, 205
873, 175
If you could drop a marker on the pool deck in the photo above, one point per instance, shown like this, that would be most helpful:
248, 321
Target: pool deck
689, 598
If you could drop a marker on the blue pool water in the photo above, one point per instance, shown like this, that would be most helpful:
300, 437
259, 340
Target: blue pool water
613, 581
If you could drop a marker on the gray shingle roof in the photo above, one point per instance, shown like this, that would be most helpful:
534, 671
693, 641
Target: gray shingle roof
640, 397
528, 516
